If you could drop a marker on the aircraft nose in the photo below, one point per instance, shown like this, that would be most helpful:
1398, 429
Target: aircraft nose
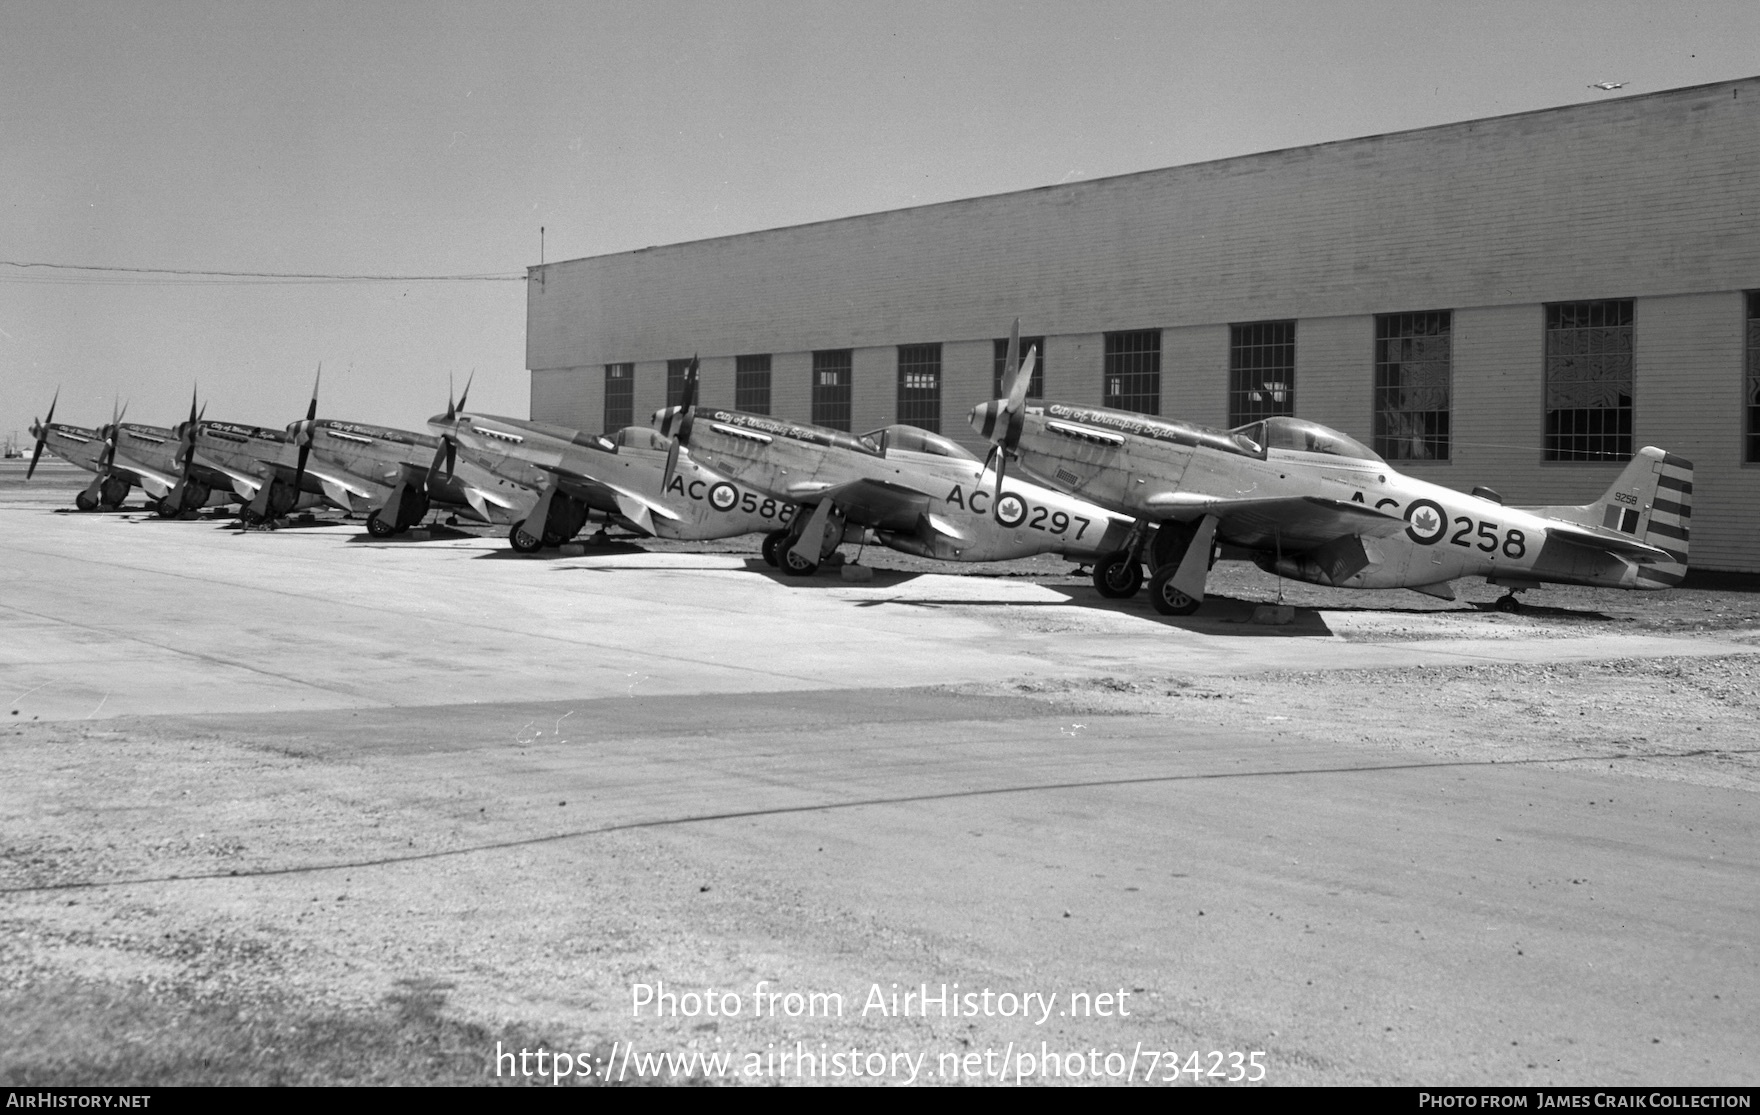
984, 415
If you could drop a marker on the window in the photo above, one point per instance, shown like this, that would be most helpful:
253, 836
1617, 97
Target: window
620, 396
831, 388
675, 373
1133, 371
1035, 389
1412, 380
1261, 371
1752, 456
1589, 381
751, 384
919, 386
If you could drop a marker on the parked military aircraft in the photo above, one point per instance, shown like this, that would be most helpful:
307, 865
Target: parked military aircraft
919, 492
636, 476
89, 449
1315, 505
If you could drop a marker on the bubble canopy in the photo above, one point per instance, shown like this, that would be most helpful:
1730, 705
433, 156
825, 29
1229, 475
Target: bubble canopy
1302, 436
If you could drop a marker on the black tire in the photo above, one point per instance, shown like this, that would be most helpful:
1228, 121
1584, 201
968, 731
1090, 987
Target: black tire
523, 542
85, 502
771, 541
378, 527
1167, 599
165, 509
1118, 576
1508, 604
793, 565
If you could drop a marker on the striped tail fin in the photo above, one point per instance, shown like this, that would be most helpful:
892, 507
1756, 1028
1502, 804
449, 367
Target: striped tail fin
1666, 515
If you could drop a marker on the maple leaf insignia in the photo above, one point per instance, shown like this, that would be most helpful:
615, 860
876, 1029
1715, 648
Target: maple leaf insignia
1424, 520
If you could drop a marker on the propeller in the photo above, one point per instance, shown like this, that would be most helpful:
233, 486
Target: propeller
1017, 376
301, 432
686, 414
186, 451
448, 448
111, 433
41, 430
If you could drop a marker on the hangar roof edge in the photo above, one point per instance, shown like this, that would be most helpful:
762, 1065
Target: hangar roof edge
1683, 92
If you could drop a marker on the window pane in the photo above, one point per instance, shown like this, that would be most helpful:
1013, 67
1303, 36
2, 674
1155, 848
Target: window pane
675, 372
1133, 371
1752, 455
831, 390
1413, 381
1589, 374
1261, 371
620, 396
1036, 388
751, 384
919, 386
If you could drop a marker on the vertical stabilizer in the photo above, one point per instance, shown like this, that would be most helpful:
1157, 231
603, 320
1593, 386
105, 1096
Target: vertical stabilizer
1652, 501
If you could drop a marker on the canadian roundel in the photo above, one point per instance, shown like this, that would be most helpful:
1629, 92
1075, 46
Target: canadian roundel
1427, 522
1011, 510
723, 496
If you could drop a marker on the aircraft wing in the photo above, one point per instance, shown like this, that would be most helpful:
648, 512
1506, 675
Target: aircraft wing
243, 483
1294, 523
875, 503
333, 478
152, 480
631, 505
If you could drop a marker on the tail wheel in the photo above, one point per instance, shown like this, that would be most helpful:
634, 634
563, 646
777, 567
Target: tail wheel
523, 542
1118, 575
795, 566
1169, 599
378, 527
771, 541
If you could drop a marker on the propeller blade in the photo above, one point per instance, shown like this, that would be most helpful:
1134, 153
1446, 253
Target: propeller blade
1001, 474
671, 465
42, 432
312, 409
687, 404
467, 392
1012, 365
441, 453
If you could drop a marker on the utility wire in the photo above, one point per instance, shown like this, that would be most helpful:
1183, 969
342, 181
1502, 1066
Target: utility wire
85, 273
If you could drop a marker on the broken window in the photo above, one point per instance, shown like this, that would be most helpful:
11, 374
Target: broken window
1589, 373
1412, 385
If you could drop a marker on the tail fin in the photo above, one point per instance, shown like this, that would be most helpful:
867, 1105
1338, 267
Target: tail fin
1652, 501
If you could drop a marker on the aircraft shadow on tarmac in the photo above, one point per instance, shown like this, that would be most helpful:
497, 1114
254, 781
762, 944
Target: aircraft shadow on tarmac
1219, 615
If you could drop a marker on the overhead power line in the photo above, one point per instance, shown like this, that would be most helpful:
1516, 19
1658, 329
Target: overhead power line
88, 274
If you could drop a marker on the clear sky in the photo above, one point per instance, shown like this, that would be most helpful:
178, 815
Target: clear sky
435, 138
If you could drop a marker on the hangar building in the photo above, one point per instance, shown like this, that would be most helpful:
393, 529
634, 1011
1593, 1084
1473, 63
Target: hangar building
1518, 302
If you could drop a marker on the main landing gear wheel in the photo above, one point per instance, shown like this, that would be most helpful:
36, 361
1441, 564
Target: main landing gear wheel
165, 509
771, 541
1118, 575
523, 542
793, 565
378, 527
1168, 599
1508, 603
85, 502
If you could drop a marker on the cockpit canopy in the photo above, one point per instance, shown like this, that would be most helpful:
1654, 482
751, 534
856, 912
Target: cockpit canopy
1302, 436
915, 439
641, 437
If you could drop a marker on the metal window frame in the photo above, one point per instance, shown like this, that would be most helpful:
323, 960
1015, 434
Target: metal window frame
621, 402
1587, 434
1131, 371
833, 398
675, 371
1036, 386
919, 403
1751, 383
1252, 346
751, 383
1431, 440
